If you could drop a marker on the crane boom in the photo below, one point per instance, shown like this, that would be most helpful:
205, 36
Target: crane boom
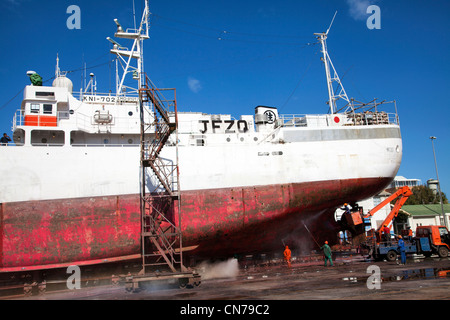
402, 194
354, 220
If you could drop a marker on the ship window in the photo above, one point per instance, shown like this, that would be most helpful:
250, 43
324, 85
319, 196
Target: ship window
45, 94
50, 137
34, 108
376, 201
48, 108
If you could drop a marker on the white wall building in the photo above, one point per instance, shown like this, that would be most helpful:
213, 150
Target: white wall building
427, 215
400, 181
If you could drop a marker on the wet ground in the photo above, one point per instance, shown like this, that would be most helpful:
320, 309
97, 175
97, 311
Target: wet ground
351, 278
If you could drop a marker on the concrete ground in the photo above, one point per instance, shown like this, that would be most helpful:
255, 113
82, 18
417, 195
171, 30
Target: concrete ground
351, 278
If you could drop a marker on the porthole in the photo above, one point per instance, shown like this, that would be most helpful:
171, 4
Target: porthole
130, 113
130, 141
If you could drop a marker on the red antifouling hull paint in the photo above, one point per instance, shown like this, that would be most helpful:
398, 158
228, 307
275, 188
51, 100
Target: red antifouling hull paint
220, 222
62, 231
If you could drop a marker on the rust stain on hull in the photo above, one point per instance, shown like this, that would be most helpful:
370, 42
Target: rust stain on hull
219, 221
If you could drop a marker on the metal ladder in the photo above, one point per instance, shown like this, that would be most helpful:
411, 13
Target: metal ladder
160, 205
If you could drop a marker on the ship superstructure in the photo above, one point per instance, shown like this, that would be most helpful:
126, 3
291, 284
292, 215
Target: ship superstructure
70, 193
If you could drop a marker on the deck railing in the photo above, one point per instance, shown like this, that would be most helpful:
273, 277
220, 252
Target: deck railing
345, 119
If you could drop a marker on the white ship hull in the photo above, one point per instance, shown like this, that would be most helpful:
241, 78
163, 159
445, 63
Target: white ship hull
44, 173
232, 193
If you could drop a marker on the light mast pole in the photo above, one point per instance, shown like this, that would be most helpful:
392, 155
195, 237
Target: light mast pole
439, 181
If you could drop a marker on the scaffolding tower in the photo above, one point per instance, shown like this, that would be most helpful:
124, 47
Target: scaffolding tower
161, 240
160, 205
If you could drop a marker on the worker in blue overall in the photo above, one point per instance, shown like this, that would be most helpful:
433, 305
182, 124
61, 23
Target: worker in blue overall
401, 248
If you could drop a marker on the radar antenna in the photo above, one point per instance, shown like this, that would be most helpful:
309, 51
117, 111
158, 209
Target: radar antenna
125, 56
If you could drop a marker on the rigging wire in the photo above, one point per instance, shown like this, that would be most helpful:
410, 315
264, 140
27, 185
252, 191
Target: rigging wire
221, 37
300, 81
47, 80
224, 35
237, 63
227, 31
186, 23
83, 68
4, 105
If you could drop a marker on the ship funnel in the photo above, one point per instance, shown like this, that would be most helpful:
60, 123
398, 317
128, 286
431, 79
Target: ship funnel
265, 118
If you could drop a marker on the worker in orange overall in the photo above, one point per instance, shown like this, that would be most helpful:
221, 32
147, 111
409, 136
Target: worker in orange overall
287, 256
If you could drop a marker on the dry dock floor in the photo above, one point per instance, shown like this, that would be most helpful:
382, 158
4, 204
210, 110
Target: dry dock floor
350, 278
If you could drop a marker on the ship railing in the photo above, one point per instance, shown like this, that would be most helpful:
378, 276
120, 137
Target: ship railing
345, 119
293, 120
113, 145
372, 118
355, 113
63, 115
371, 113
82, 121
86, 145
19, 119
41, 144
117, 124
106, 97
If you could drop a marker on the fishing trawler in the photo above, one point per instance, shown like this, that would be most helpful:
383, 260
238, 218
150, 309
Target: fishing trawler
71, 184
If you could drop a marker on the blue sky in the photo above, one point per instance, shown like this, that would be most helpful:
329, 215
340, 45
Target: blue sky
230, 56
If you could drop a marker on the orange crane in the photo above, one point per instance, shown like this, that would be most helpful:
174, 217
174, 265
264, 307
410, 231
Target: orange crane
354, 221
402, 194
429, 239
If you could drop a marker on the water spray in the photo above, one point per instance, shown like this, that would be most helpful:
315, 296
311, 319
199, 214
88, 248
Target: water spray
311, 235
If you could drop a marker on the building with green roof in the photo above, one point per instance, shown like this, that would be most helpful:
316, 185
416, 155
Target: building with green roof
426, 214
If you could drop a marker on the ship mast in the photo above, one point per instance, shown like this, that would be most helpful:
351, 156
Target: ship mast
125, 56
332, 97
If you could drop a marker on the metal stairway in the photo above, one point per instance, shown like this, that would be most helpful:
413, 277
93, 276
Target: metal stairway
161, 234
